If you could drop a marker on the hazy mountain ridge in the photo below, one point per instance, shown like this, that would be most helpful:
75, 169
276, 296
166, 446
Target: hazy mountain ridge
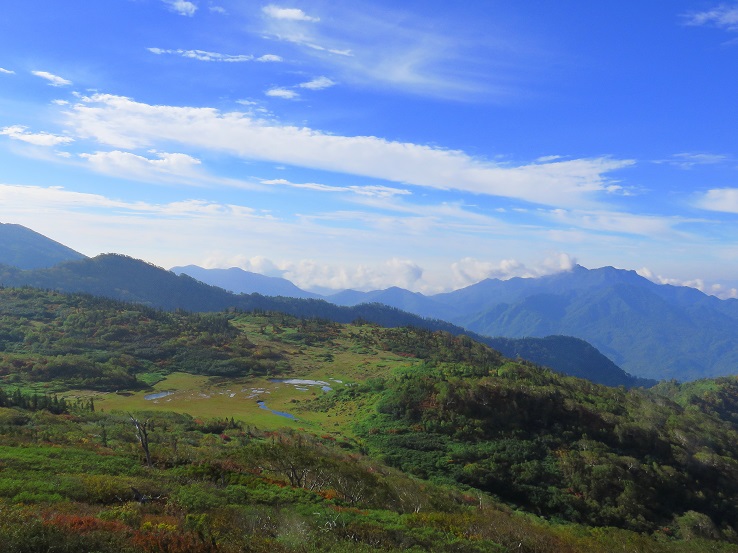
124, 278
24, 248
239, 281
651, 330
643, 328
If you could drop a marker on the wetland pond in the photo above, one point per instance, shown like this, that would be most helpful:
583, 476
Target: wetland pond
157, 395
301, 384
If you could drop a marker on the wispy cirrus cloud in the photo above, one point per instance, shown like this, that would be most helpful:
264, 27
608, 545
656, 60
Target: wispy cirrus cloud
6, 71
203, 55
124, 123
289, 14
19, 132
28, 199
375, 191
691, 160
406, 51
295, 26
182, 7
723, 16
53, 80
601, 221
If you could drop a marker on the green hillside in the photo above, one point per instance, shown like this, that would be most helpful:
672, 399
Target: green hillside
124, 278
274, 433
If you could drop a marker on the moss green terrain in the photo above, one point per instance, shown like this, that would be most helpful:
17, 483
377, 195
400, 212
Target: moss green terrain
424, 441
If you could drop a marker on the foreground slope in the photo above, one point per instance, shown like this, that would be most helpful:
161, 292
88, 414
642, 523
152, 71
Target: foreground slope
426, 442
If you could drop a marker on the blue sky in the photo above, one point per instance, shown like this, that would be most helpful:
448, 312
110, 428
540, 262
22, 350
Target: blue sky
367, 144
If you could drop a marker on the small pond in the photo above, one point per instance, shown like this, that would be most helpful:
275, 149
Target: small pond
262, 405
157, 395
325, 386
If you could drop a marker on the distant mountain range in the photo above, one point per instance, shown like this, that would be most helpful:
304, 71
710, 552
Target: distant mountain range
652, 331
24, 248
239, 281
129, 279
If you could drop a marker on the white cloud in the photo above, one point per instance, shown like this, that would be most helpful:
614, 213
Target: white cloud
6, 71
218, 9
163, 167
124, 123
279, 92
291, 14
310, 274
697, 283
719, 199
54, 80
182, 7
18, 132
267, 58
470, 270
722, 292
714, 289
318, 83
376, 191
203, 55
723, 17
126, 164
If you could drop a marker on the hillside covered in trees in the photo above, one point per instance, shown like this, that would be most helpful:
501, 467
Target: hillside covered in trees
420, 441
119, 277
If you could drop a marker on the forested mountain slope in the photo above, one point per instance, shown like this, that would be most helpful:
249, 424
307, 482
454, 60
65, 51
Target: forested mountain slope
650, 330
124, 278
